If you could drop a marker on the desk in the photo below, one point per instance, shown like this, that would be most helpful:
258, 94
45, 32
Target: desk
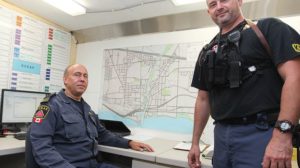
164, 156
159, 145
179, 158
10, 145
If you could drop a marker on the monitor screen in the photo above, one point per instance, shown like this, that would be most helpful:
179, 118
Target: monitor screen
19, 106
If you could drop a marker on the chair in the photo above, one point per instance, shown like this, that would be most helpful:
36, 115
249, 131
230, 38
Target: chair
29, 158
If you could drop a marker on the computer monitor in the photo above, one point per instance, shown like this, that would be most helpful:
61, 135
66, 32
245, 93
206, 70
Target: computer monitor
19, 106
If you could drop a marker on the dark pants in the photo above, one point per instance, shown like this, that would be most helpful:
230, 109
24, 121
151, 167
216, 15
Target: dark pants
239, 146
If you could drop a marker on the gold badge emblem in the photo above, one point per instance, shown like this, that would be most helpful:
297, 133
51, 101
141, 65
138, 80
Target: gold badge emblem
296, 47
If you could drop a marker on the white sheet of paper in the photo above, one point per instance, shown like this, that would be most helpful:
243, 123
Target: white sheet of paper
187, 146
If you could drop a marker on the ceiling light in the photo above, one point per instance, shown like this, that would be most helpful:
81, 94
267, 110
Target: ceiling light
68, 6
185, 2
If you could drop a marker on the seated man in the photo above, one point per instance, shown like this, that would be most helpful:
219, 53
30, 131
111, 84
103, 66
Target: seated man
65, 131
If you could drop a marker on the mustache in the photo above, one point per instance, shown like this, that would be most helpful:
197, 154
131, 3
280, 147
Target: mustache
220, 12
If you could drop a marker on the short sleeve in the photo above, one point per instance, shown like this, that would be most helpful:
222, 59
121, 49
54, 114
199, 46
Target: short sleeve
282, 38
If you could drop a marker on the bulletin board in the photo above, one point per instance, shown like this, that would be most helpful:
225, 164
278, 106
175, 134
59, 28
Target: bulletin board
33, 54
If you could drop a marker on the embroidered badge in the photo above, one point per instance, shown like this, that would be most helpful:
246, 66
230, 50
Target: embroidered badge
296, 47
41, 113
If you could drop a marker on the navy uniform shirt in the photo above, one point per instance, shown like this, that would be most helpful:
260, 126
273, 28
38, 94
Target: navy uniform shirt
64, 136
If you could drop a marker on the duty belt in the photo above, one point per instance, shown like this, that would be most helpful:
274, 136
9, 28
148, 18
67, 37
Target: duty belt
270, 118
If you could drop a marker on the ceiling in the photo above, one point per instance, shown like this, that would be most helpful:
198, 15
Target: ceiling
106, 12
106, 19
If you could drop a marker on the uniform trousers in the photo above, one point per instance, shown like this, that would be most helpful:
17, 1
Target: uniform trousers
239, 145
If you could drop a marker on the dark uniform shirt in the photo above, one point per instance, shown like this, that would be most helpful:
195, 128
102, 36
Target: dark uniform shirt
65, 136
261, 91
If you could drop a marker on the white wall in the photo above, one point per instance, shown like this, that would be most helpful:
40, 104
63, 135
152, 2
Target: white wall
293, 21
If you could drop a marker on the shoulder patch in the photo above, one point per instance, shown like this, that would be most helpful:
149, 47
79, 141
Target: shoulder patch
296, 47
41, 113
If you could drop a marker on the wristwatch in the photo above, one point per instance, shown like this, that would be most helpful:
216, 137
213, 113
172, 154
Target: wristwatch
284, 126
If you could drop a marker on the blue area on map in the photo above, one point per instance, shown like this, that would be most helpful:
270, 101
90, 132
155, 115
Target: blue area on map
25, 66
169, 124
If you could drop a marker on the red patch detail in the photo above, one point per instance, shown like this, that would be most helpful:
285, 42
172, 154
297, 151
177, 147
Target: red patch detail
37, 120
39, 114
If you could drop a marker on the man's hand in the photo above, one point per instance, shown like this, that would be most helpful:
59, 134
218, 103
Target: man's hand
194, 157
279, 151
138, 146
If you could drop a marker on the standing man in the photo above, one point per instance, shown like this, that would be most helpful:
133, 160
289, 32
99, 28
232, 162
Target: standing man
65, 132
252, 95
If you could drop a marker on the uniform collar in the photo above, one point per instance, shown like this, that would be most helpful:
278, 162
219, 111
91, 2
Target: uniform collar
63, 96
67, 100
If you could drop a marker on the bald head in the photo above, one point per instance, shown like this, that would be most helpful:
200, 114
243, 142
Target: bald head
71, 67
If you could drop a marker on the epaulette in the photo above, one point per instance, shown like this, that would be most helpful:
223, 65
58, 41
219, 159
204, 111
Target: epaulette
48, 97
92, 113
